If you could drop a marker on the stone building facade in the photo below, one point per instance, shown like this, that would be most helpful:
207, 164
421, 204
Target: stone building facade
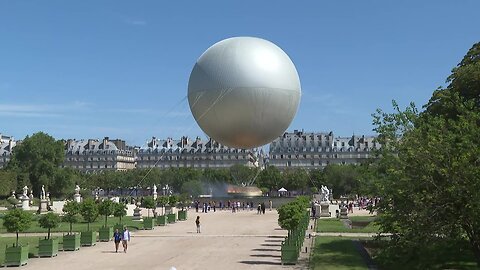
311, 150
99, 155
195, 154
7, 143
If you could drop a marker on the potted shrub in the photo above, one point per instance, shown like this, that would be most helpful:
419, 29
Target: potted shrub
119, 210
105, 208
184, 201
172, 202
71, 241
16, 220
89, 212
48, 247
162, 219
149, 203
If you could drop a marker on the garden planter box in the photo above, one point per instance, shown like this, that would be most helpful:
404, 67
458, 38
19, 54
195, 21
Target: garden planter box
172, 218
148, 223
16, 256
88, 238
105, 234
182, 215
47, 247
289, 254
71, 242
162, 220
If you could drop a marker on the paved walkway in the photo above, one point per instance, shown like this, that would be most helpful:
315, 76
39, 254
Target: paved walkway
242, 240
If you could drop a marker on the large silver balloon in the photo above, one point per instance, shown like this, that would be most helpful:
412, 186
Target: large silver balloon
244, 92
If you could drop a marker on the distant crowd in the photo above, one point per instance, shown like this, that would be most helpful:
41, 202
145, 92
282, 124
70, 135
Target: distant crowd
234, 206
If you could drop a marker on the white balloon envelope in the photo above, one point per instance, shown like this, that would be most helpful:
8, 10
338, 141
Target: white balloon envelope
244, 92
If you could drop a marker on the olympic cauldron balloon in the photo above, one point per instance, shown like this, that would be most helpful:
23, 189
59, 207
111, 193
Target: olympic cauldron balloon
244, 92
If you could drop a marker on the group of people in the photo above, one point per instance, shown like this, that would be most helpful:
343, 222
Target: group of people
235, 206
123, 237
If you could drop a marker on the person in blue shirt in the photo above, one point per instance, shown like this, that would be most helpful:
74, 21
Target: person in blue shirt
117, 237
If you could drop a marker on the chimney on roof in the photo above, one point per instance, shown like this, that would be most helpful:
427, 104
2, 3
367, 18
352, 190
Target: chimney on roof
105, 142
10, 144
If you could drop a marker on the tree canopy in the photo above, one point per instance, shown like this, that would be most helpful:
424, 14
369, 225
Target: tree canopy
429, 171
39, 156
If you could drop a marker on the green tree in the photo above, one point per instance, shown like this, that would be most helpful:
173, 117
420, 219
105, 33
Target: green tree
184, 200
64, 180
8, 182
149, 203
429, 168
17, 220
296, 179
173, 200
89, 211
71, 210
119, 210
49, 221
39, 156
106, 208
162, 202
192, 187
343, 179
290, 214
241, 174
270, 178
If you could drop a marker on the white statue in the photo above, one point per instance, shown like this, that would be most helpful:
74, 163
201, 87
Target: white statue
13, 194
48, 196
25, 191
77, 189
43, 195
154, 189
325, 193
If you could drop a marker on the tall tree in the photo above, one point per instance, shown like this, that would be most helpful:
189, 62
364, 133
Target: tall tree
270, 178
430, 167
40, 156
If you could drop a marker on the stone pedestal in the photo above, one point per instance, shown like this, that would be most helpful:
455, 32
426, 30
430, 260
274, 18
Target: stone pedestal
77, 198
43, 207
25, 202
137, 214
343, 212
324, 210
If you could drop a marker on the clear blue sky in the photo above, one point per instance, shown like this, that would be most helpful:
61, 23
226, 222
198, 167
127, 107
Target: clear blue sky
89, 69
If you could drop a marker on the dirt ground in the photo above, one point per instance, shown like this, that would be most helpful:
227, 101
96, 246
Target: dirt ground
242, 240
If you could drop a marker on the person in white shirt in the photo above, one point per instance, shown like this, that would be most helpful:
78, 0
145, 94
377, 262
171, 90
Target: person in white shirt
125, 239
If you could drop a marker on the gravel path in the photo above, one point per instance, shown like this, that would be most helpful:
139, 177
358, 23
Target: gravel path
242, 240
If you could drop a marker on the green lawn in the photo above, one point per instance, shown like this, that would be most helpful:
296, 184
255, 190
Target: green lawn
336, 253
442, 254
82, 226
336, 225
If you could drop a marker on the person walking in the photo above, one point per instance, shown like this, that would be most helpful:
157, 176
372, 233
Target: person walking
125, 239
117, 237
197, 222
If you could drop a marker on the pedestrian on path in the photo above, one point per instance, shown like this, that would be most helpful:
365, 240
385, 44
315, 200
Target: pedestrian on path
125, 239
117, 237
197, 222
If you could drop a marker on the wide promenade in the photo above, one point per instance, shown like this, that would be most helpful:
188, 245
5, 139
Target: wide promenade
242, 240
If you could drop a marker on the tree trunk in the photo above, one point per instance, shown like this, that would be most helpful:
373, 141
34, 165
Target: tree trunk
71, 225
48, 235
476, 250
106, 220
17, 237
